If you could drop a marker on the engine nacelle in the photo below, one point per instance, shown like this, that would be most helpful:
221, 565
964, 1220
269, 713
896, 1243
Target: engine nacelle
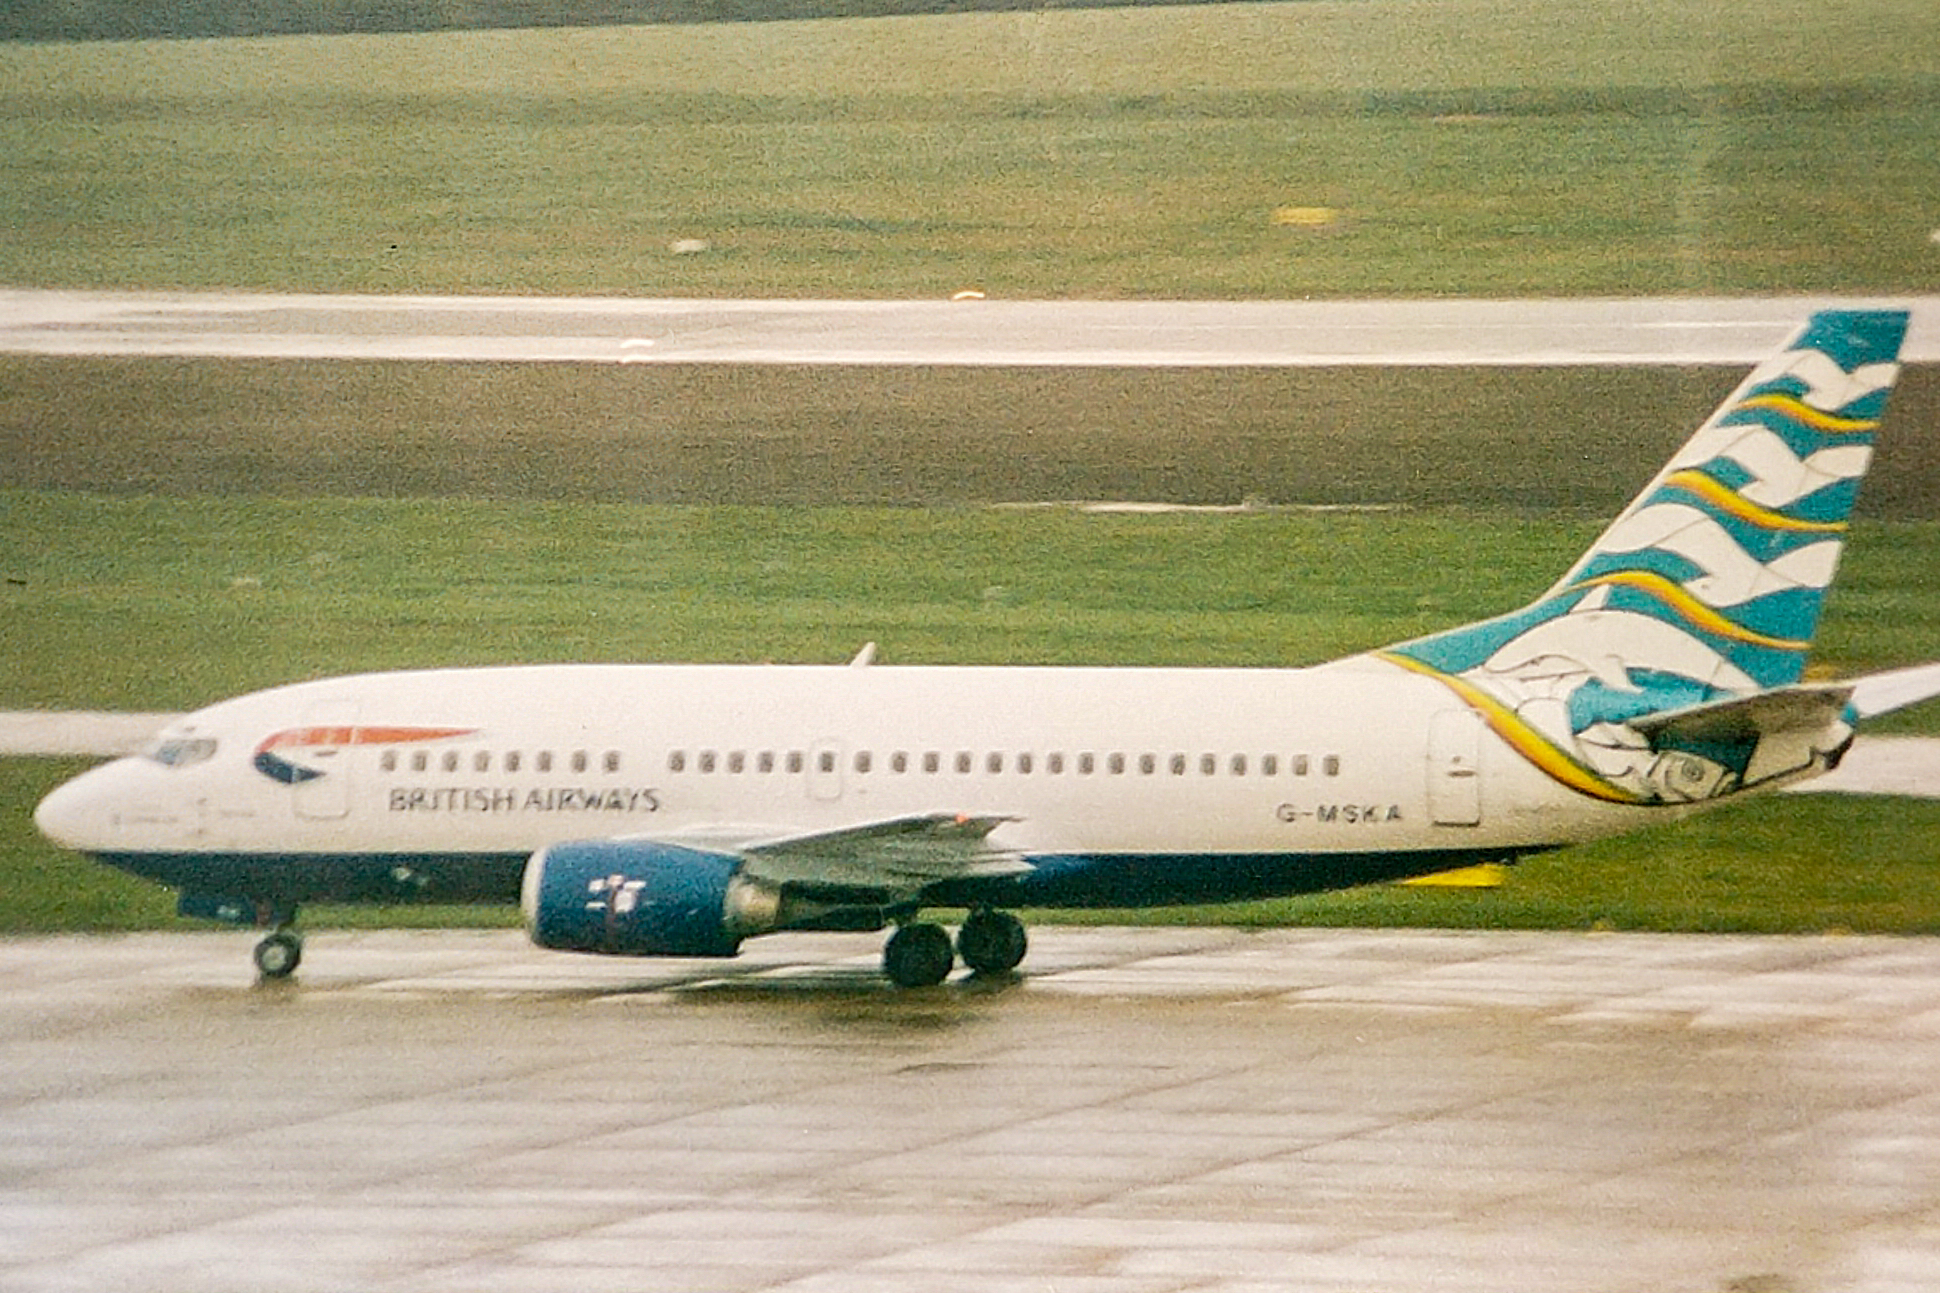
625, 898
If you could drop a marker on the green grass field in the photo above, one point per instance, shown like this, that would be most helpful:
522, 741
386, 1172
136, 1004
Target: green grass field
145, 602
1466, 147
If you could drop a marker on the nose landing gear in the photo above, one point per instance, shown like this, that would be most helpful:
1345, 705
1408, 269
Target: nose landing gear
278, 955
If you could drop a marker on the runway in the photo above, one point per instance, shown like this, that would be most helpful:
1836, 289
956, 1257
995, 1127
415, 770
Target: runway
982, 333
1154, 1111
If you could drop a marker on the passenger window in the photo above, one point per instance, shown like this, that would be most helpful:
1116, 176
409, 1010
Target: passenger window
864, 760
1147, 764
1087, 763
899, 762
708, 758
1330, 766
1025, 764
963, 763
826, 761
419, 760
765, 762
1269, 765
737, 761
579, 760
543, 760
677, 761
612, 761
1054, 764
1239, 765
512, 761
1208, 764
388, 761
994, 763
450, 762
1115, 765
932, 761
1299, 765
482, 762
795, 761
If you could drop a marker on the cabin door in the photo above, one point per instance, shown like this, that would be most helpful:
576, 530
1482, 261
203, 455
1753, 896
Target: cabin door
323, 757
1455, 768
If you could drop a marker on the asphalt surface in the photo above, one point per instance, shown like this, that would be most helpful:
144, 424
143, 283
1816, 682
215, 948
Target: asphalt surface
1130, 334
1154, 1111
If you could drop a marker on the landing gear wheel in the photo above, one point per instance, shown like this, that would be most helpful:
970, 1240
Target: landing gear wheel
992, 942
278, 955
918, 956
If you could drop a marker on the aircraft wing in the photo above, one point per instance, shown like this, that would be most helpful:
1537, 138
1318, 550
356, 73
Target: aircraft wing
896, 856
900, 854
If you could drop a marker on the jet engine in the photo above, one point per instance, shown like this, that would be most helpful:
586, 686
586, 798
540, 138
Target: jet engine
631, 898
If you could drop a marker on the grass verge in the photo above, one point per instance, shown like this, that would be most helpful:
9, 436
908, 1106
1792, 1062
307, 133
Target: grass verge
1498, 147
170, 602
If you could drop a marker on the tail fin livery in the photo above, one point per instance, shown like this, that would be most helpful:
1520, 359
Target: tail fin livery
1704, 592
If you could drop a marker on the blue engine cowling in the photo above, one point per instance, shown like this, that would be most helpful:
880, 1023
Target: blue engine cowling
637, 899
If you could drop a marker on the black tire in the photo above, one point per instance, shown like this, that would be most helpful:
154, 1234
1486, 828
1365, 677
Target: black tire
992, 942
918, 956
278, 955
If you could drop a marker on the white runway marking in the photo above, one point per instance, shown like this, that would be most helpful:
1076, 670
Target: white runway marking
1009, 333
77, 733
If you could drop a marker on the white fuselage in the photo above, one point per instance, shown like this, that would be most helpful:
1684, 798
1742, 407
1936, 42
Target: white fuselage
1354, 757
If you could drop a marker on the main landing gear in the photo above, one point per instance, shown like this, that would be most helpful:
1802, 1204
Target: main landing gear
278, 955
920, 955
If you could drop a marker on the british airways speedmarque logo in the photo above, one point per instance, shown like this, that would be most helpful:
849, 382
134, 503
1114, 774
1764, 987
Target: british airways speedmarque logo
293, 742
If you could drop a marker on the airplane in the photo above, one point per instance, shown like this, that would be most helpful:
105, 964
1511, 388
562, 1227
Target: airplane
678, 810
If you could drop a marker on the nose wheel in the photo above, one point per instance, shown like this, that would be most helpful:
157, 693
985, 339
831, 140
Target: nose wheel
278, 955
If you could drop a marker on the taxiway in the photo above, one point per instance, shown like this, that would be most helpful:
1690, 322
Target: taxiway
1132, 334
1155, 1111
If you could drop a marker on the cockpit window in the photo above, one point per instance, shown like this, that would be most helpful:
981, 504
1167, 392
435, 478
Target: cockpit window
181, 751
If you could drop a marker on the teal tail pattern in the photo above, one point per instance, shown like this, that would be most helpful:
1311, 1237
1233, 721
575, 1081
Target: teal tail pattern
1709, 585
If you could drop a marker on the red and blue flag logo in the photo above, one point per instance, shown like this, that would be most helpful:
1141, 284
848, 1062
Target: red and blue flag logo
288, 755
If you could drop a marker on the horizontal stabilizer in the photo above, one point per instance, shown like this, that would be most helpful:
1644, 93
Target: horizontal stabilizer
1802, 707
1882, 693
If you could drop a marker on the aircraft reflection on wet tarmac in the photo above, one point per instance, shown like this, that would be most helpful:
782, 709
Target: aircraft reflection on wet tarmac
1161, 1109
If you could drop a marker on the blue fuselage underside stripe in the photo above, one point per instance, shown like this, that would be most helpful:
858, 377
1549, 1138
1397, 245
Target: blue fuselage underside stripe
1062, 880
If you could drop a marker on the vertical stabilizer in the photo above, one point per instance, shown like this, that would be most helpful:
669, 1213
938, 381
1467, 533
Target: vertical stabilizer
1708, 586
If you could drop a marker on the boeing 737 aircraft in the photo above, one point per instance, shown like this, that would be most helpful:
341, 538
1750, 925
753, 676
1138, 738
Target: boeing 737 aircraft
677, 810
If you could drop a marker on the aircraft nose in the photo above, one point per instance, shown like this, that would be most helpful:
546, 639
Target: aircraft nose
71, 815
